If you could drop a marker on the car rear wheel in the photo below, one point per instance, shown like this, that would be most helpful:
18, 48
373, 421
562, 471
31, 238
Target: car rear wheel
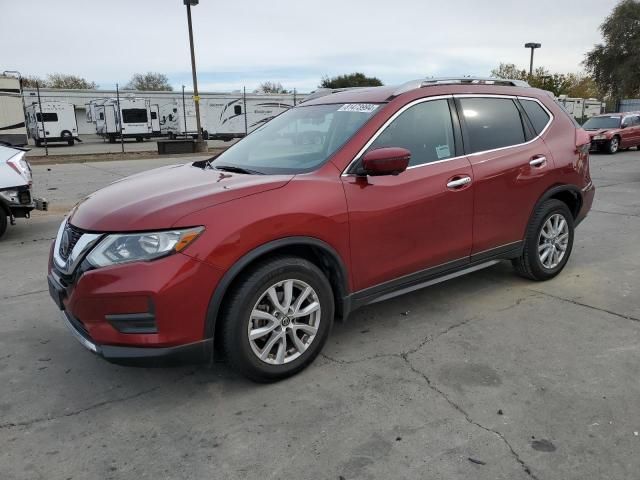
548, 242
277, 319
613, 145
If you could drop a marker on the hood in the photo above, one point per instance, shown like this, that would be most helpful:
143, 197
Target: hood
157, 199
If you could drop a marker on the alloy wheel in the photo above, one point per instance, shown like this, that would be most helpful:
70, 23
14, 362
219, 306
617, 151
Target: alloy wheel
284, 321
553, 241
614, 144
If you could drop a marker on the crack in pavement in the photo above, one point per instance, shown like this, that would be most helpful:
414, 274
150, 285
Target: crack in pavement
586, 305
616, 213
104, 170
28, 423
17, 295
468, 418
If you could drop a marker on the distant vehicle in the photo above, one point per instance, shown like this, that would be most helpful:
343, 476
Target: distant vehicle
225, 116
613, 132
12, 127
581, 108
346, 200
60, 123
133, 116
174, 123
16, 200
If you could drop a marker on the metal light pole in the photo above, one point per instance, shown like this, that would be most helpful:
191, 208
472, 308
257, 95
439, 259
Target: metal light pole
184, 113
201, 146
532, 46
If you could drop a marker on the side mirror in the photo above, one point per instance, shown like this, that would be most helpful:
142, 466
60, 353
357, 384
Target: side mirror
385, 161
624, 125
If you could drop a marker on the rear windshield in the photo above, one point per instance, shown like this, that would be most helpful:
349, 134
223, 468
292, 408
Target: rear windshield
597, 123
134, 115
48, 117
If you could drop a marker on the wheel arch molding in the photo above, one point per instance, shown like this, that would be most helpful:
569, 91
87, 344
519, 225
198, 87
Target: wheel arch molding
322, 254
567, 193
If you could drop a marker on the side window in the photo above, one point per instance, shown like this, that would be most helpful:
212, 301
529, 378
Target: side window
101, 116
154, 115
424, 129
636, 121
237, 110
491, 123
537, 115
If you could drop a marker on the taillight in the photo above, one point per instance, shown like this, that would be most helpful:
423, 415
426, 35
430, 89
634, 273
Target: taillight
21, 166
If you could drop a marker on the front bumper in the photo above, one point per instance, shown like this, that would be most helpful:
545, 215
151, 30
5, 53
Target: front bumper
141, 312
196, 352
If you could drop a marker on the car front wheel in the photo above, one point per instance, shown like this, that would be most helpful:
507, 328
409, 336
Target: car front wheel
613, 145
548, 242
277, 319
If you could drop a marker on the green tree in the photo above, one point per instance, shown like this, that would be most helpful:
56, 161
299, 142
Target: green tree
615, 63
61, 80
58, 80
350, 80
271, 87
150, 81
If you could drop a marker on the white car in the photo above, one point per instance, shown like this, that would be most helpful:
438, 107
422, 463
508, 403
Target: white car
16, 200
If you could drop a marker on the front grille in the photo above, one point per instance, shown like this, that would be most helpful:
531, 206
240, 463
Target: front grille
24, 197
69, 239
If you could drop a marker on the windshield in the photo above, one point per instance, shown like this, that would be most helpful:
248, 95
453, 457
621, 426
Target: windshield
298, 140
597, 123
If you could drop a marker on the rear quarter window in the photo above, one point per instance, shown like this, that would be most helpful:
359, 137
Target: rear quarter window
537, 115
491, 123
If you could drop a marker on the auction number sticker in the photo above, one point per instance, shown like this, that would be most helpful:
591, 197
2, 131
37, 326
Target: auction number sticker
358, 107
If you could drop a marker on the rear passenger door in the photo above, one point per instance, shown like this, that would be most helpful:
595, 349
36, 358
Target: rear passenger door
511, 167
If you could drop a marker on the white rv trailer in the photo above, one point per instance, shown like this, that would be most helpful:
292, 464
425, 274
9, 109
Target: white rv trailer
133, 116
59, 122
174, 122
582, 108
12, 127
225, 114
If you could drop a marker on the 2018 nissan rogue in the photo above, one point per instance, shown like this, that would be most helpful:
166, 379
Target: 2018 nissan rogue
349, 198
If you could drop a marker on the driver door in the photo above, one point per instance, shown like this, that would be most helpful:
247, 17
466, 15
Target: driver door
421, 218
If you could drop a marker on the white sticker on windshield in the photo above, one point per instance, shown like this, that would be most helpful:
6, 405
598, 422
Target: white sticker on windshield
443, 151
358, 107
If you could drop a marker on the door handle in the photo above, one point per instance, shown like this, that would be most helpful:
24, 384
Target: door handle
458, 182
538, 161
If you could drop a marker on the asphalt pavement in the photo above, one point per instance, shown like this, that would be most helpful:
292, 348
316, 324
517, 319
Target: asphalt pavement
486, 376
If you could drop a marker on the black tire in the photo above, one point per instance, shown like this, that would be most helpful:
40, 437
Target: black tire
70, 142
139, 139
241, 301
529, 264
613, 145
3, 222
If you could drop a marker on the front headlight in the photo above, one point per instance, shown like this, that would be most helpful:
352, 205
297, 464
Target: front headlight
599, 137
136, 247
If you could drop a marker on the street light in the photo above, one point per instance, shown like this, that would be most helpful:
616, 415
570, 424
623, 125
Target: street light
200, 145
532, 46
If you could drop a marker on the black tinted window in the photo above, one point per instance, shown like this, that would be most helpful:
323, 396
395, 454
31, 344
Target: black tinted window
48, 117
237, 110
491, 123
154, 115
424, 129
134, 115
537, 115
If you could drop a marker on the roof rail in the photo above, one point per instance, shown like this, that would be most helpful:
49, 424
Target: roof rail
322, 92
428, 82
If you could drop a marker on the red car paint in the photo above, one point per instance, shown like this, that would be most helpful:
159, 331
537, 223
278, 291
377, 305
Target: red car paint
629, 136
380, 228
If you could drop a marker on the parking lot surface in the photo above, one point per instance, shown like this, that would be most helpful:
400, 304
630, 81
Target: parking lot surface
487, 376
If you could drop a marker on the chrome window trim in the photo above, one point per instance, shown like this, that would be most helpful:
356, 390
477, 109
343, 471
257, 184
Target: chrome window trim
441, 97
82, 246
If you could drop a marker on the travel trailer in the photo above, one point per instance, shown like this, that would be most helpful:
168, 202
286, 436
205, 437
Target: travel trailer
225, 115
12, 127
133, 116
582, 108
174, 122
59, 120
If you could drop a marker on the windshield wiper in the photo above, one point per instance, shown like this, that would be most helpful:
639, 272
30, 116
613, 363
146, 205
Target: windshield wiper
233, 169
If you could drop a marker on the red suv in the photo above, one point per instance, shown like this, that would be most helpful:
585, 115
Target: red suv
347, 199
614, 131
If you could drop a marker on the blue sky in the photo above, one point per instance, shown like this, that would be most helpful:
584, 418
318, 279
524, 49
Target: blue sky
293, 42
